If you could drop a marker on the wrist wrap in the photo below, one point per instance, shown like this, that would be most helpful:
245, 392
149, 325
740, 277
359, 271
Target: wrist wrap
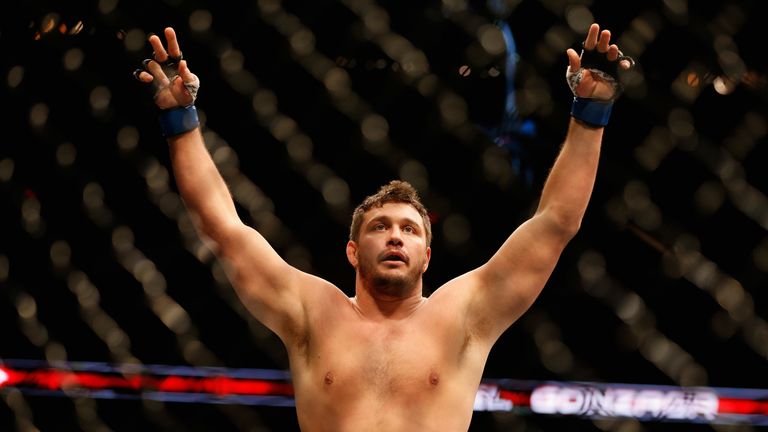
594, 112
178, 120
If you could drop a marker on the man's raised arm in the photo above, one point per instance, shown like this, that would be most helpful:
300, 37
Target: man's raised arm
267, 285
507, 285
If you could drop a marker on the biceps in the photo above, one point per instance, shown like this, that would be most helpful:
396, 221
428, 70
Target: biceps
249, 257
530, 253
513, 278
268, 286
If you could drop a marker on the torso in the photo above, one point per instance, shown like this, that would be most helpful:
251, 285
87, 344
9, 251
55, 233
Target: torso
416, 373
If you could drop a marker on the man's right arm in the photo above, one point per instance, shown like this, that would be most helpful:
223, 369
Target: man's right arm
268, 286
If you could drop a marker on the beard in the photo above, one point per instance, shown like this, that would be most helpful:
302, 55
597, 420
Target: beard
394, 285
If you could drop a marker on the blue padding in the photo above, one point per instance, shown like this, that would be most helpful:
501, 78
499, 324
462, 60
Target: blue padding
176, 121
591, 111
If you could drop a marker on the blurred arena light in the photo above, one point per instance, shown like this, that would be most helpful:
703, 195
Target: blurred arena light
648, 403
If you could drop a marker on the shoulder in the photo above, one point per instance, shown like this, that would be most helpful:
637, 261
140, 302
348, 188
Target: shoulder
318, 292
454, 297
459, 289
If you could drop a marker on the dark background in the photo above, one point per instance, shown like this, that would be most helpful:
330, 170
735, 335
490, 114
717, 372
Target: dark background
308, 107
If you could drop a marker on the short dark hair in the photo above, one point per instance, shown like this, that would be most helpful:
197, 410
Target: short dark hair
396, 191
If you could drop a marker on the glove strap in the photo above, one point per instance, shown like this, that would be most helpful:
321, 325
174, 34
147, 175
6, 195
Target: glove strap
178, 120
594, 112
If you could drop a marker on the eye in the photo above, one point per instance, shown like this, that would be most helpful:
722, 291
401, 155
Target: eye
379, 227
409, 229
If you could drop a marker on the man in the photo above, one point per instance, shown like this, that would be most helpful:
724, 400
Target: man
389, 359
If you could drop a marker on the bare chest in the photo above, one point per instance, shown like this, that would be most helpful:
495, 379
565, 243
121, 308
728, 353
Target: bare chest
361, 375
390, 362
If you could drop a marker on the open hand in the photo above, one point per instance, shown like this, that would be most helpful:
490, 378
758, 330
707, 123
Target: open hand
176, 90
591, 85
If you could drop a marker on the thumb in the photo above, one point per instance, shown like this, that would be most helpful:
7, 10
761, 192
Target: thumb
574, 62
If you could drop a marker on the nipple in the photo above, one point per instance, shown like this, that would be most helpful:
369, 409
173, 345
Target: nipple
434, 378
328, 378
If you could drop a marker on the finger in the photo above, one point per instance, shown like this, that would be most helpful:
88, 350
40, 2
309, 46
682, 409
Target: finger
574, 62
173, 43
157, 46
143, 76
625, 64
613, 52
605, 39
184, 72
591, 40
157, 72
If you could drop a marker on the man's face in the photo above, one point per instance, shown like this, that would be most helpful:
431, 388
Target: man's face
391, 253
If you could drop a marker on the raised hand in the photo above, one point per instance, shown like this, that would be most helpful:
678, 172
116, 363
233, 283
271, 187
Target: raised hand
175, 86
584, 81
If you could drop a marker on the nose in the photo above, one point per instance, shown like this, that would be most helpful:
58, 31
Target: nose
395, 237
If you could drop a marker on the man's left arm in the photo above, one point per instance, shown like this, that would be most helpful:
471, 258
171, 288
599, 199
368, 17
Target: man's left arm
505, 287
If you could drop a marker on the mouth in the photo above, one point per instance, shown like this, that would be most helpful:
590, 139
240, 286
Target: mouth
394, 257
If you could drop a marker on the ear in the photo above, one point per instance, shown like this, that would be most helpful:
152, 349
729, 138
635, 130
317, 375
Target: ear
352, 253
426, 261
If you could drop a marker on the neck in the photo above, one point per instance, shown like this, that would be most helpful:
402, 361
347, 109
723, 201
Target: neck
378, 306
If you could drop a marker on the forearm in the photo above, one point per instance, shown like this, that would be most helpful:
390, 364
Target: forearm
569, 185
202, 188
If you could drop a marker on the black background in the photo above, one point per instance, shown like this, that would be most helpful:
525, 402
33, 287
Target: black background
584, 320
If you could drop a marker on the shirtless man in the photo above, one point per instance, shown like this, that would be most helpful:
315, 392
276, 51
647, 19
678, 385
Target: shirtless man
389, 359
